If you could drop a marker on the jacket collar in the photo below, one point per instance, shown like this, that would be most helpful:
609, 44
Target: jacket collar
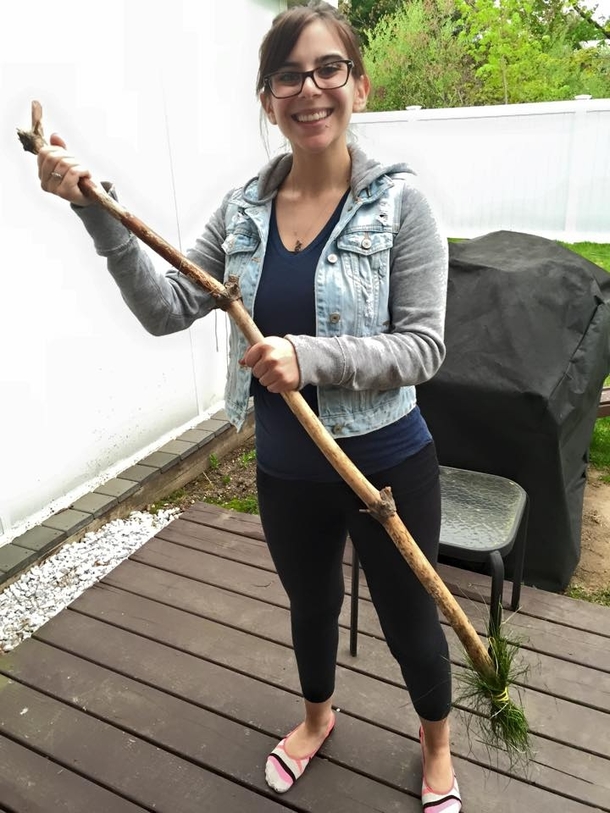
365, 172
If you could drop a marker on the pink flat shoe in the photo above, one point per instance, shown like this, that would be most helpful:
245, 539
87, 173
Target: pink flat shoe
282, 770
434, 801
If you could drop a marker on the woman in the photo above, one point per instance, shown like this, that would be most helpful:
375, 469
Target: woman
342, 265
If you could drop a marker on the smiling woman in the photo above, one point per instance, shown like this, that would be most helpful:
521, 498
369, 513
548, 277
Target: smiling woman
312, 107
342, 264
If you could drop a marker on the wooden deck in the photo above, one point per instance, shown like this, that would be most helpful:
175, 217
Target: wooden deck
164, 687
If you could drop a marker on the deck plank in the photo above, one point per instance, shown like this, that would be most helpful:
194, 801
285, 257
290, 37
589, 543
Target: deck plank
272, 663
549, 715
577, 644
226, 691
223, 746
32, 783
114, 757
163, 687
541, 642
468, 584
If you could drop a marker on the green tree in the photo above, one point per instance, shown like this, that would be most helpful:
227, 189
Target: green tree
601, 25
527, 50
444, 53
414, 57
560, 20
508, 56
365, 14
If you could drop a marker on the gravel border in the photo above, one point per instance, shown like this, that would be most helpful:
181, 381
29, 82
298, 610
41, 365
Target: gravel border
45, 589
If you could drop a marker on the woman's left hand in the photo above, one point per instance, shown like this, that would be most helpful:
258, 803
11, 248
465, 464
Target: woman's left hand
274, 363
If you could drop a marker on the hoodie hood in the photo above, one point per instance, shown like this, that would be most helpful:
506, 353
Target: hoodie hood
264, 186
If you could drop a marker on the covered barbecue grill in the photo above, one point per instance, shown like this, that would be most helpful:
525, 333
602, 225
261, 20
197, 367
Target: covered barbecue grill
528, 348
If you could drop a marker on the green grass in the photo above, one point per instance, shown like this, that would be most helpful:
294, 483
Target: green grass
247, 458
599, 450
598, 253
601, 596
247, 504
171, 501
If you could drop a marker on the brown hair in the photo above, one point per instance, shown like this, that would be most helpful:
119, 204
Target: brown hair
287, 28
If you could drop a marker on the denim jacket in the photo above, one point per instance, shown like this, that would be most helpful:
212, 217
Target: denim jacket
353, 296
380, 291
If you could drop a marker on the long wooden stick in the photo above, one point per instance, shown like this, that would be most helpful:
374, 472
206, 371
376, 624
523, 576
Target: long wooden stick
379, 503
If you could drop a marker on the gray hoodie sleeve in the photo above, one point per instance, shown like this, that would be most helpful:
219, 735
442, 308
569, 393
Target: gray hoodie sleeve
413, 350
163, 302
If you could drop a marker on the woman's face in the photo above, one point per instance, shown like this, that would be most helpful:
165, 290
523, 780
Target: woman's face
316, 119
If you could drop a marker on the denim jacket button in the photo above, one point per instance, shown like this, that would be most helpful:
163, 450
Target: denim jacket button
338, 427
366, 243
334, 318
332, 258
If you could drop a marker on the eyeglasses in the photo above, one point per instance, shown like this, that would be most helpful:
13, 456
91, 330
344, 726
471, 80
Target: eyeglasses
283, 84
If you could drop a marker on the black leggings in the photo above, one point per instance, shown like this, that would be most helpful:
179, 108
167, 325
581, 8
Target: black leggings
306, 526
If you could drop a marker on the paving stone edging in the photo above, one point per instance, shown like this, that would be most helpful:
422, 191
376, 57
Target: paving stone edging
169, 468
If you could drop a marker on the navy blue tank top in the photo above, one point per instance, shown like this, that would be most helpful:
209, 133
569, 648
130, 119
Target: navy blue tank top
285, 304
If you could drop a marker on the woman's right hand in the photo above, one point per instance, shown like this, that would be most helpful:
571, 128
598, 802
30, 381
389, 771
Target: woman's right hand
60, 172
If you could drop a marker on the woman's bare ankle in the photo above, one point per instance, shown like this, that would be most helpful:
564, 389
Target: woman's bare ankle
309, 736
436, 751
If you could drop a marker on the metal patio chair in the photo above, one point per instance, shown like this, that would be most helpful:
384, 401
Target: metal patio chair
484, 517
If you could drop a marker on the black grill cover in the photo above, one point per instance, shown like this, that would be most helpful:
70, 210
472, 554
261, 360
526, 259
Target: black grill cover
528, 348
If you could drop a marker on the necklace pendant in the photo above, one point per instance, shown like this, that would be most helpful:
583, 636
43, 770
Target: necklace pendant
297, 247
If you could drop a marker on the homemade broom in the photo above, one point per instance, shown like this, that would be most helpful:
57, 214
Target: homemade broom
491, 671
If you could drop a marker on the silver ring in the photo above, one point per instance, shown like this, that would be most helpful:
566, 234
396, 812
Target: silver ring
57, 175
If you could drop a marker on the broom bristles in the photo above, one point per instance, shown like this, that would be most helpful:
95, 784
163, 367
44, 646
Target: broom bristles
502, 722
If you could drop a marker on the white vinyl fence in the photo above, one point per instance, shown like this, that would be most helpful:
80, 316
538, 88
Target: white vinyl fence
538, 168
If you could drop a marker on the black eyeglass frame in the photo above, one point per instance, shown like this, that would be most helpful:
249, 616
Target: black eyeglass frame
310, 75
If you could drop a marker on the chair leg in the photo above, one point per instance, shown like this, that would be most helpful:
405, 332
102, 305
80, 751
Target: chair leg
520, 557
496, 566
353, 627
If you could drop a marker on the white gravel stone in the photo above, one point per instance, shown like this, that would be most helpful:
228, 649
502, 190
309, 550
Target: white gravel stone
46, 589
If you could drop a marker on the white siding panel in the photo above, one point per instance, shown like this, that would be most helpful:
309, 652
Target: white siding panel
160, 99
